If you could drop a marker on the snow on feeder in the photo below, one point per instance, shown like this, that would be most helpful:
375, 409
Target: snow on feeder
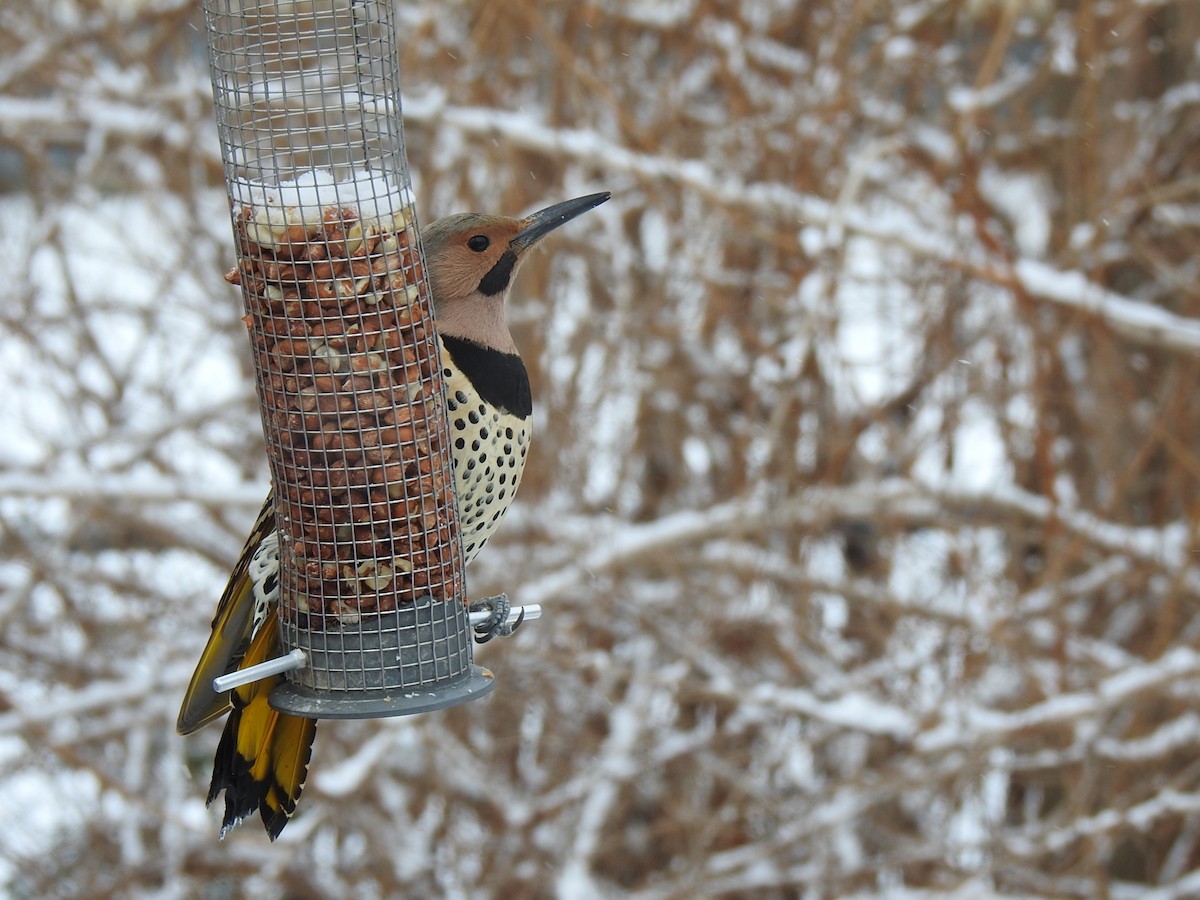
372, 614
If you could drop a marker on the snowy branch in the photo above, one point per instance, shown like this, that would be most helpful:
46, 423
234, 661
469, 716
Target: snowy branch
1140, 322
974, 727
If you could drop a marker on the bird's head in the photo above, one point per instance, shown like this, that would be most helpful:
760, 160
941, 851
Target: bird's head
472, 259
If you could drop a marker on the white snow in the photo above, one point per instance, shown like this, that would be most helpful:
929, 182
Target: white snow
305, 198
1023, 198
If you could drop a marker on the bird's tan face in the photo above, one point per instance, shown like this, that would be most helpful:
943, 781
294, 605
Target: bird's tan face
472, 260
462, 249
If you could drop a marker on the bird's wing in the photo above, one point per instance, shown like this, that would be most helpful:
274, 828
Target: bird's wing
232, 629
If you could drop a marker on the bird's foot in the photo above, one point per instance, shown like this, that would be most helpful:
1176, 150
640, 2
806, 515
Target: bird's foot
497, 622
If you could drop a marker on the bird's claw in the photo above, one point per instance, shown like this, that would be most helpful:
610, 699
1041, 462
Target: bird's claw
497, 623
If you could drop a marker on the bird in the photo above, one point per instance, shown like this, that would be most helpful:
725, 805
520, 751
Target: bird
472, 260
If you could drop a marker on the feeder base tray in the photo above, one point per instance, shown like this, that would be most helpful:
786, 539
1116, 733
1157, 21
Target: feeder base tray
298, 700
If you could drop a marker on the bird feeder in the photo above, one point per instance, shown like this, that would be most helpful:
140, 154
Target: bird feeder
373, 620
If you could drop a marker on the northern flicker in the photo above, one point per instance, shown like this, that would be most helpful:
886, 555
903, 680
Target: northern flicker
472, 259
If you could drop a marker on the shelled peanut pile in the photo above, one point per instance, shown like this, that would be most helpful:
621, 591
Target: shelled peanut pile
349, 373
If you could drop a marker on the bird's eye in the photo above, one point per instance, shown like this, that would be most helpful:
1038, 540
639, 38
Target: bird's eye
478, 242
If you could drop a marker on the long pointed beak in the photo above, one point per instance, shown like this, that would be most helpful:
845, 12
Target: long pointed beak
544, 221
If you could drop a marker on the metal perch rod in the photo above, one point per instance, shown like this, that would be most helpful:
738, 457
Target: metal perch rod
298, 659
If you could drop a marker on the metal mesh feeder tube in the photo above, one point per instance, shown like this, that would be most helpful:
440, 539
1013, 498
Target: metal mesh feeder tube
347, 364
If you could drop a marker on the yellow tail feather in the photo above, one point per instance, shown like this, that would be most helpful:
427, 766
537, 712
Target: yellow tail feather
263, 756
291, 748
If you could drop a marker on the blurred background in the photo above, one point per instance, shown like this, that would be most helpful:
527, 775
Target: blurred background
862, 502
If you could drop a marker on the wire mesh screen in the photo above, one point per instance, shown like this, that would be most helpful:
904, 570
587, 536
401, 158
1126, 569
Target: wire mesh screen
347, 363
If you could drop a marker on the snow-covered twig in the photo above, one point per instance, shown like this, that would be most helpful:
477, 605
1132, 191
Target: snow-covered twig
133, 489
975, 727
897, 500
